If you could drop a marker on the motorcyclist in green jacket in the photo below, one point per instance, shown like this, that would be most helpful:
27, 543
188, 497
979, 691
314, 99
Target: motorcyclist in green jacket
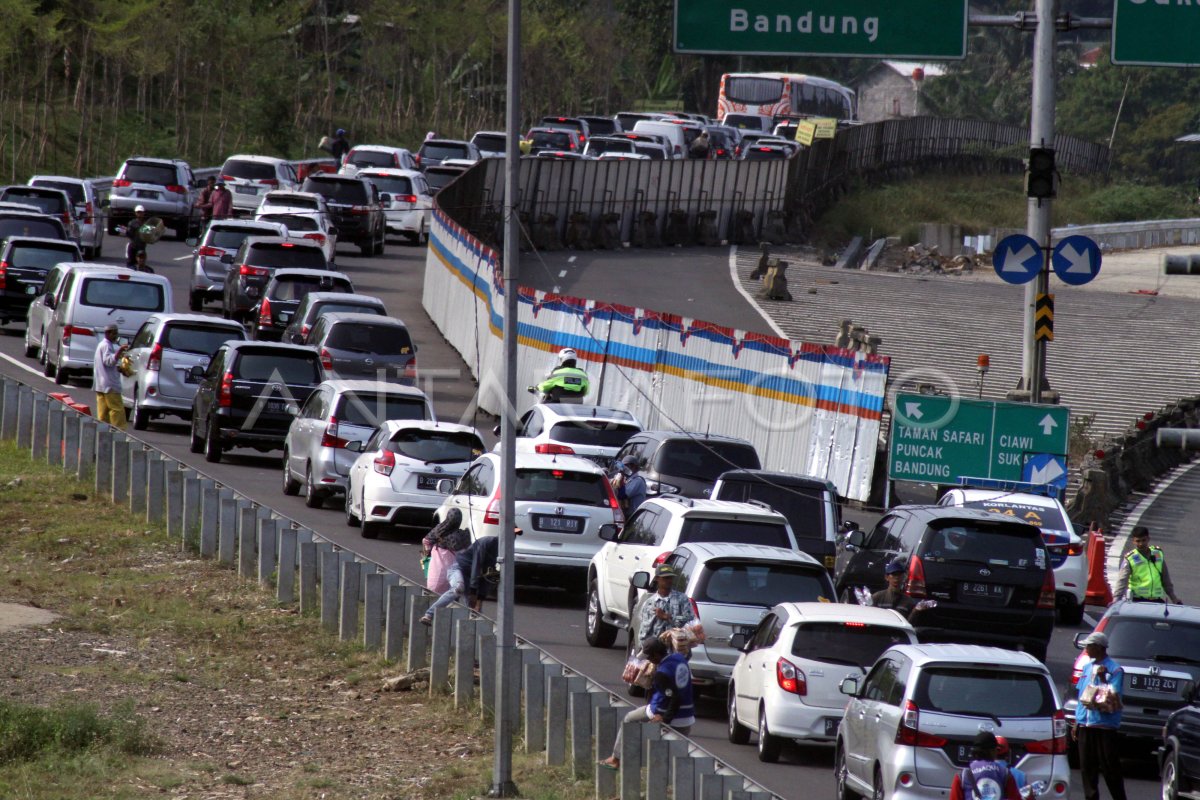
566, 383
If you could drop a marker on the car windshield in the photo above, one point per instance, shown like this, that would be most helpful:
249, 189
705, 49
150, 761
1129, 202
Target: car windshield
40, 256
436, 447
296, 287
743, 583
737, 531
371, 410
553, 139
703, 460
285, 255
292, 200
201, 339
440, 178
562, 486
384, 340
984, 544
492, 142
248, 170
274, 366
346, 192
443, 150
74, 190
1047, 517
597, 146
804, 507
130, 295
391, 185
1144, 639
30, 226
232, 238
990, 692
293, 222
372, 158
652, 150
601, 126
158, 174
845, 642
598, 433
46, 203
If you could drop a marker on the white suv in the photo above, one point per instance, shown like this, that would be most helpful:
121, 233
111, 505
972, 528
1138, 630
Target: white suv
1068, 552
573, 429
786, 682
561, 504
249, 178
652, 533
910, 721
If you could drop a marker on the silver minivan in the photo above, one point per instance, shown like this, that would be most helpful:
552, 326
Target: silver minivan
161, 357
88, 208
336, 413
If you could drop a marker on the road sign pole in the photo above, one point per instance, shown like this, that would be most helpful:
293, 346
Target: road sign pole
1041, 134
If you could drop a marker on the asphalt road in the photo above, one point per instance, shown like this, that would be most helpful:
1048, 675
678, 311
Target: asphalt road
551, 618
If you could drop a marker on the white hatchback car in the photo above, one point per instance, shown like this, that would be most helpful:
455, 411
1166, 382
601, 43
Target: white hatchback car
394, 480
786, 682
561, 504
573, 429
305, 225
1068, 552
285, 202
409, 206
376, 156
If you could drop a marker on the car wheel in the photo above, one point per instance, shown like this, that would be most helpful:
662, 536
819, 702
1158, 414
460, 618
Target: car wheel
1071, 613
352, 520
60, 374
367, 246
769, 745
841, 775
31, 349
196, 301
212, 443
313, 497
738, 733
877, 785
1171, 780
47, 368
382, 241
141, 417
599, 633
423, 236
291, 486
196, 444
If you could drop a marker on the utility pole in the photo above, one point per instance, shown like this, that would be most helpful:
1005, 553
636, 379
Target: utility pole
506, 639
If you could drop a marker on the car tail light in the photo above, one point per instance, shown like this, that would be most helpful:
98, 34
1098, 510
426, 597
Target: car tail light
287, 244
1075, 548
360, 210
256, 272
916, 578
417, 158
407, 198
908, 733
175, 188
790, 678
120, 183
123, 277
492, 515
268, 181
66, 217
410, 369
330, 438
227, 178
1046, 597
154, 362
661, 558
225, 392
3, 274
319, 238
75, 330
264, 312
720, 151
695, 608
553, 449
385, 462
89, 212
304, 329
209, 251
326, 359
1056, 746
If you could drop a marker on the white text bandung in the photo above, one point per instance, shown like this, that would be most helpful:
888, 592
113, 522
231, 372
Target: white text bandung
740, 22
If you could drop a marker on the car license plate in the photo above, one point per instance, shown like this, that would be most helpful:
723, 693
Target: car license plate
285, 316
962, 754
990, 591
187, 377
429, 482
1154, 683
245, 190
275, 406
545, 522
146, 194
831, 726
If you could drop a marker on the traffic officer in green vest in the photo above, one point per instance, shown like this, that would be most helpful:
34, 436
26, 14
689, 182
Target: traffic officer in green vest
1143, 574
566, 383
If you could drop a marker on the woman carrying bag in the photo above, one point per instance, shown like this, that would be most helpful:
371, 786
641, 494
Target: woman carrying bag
440, 548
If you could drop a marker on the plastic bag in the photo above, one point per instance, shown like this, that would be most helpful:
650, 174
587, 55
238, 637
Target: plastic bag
697, 631
638, 672
679, 639
440, 560
863, 595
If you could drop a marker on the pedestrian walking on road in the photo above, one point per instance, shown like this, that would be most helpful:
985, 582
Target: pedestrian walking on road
222, 201
204, 201
671, 700
1097, 720
106, 378
1143, 575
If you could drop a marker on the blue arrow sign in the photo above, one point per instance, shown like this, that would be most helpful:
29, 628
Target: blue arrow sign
1045, 468
1017, 259
1076, 260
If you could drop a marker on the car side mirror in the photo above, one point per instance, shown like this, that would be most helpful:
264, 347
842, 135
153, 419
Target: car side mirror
496, 430
385, 197
196, 372
739, 641
445, 486
849, 686
297, 338
191, 241
48, 299
1079, 637
856, 539
227, 258
608, 531
104, 203
333, 231
354, 446
640, 580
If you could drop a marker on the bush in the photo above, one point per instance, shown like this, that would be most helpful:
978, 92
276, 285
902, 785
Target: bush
29, 732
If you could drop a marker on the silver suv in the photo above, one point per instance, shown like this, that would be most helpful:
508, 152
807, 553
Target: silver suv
653, 531
910, 721
223, 238
165, 186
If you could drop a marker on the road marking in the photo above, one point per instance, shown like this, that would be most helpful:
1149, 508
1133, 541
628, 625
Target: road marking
737, 284
562, 274
23, 366
1113, 566
555, 290
571, 260
182, 258
1090, 620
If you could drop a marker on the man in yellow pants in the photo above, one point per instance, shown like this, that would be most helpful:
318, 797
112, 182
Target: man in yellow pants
106, 379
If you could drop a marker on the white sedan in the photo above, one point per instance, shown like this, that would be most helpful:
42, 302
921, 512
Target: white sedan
305, 225
395, 479
409, 206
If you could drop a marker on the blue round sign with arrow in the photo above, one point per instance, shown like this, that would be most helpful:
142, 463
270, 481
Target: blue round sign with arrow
1017, 259
1076, 260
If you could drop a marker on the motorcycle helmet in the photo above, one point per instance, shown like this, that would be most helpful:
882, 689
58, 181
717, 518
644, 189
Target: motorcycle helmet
1001, 747
567, 357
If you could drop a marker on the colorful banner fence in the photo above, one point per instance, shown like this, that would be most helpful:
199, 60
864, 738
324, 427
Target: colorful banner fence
807, 408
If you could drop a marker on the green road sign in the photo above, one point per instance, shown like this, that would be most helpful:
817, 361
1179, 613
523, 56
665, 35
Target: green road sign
940, 439
868, 28
1156, 33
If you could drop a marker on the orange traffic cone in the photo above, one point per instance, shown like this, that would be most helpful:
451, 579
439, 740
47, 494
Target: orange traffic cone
1099, 593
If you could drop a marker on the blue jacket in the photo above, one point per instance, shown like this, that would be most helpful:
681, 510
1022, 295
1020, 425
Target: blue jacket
672, 697
476, 561
1090, 717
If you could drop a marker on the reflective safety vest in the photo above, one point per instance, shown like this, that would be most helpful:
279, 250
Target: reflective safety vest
567, 380
1145, 574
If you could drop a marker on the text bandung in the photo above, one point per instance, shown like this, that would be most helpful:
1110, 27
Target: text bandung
739, 22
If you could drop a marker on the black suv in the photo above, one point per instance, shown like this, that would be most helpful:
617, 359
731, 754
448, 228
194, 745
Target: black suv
251, 268
1179, 756
24, 262
356, 207
283, 294
687, 463
990, 574
249, 394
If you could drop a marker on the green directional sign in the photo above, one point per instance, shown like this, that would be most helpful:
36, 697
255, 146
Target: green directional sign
940, 439
925, 29
1156, 33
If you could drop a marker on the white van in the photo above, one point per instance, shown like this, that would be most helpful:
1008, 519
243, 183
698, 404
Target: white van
673, 132
91, 300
